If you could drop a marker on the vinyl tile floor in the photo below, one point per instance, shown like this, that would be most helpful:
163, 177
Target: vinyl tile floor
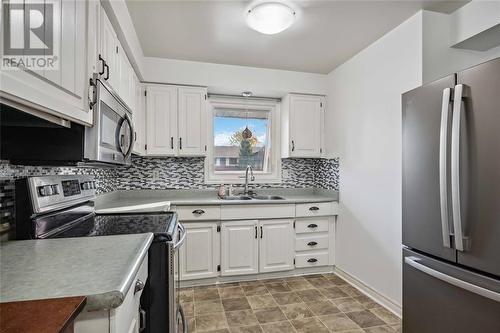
307, 304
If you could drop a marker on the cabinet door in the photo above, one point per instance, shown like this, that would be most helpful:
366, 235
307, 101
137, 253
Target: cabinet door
125, 76
108, 50
161, 120
239, 248
62, 91
192, 121
199, 255
276, 245
138, 117
305, 126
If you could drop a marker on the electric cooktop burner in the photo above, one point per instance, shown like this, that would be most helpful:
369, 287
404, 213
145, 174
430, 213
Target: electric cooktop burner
162, 225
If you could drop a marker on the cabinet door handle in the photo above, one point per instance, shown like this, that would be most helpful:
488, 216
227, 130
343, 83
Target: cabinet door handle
312, 260
313, 208
103, 64
171, 142
180, 143
312, 225
107, 71
256, 232
312, 243
293, 145
139, 285
198, 212
261, 232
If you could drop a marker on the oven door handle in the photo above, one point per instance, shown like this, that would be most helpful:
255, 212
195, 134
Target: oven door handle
183, 318
183, 231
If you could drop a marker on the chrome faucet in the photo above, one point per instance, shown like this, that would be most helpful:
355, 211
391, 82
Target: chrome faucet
252, 178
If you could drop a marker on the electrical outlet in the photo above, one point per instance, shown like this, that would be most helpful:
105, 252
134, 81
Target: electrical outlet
155, 174
286, 174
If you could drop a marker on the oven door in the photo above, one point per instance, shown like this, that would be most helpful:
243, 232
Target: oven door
180, 318
112, 137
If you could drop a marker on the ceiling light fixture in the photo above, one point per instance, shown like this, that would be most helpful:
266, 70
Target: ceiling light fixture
270, 17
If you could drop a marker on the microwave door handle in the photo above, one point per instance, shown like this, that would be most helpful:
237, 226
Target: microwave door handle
131, 136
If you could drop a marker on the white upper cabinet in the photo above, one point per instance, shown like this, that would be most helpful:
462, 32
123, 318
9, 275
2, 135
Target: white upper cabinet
302, 130
62, 91
139, 118
108, 52
176, 120
161, 120
276, 249
239, 248
192, 121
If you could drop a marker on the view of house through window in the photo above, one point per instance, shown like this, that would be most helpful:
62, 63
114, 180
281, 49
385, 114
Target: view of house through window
241, 138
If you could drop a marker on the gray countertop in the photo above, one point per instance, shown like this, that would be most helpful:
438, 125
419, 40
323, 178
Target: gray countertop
101, 268
161, 200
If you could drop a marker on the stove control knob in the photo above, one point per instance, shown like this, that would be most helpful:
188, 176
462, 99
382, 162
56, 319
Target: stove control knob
85, 186
55, 189
45, 191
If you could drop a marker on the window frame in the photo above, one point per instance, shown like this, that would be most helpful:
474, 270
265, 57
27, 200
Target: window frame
237, 177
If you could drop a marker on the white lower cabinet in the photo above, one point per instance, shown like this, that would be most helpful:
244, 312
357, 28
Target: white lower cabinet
252, 246
240, 240
123, 319
200, 252
276, 245
239, 248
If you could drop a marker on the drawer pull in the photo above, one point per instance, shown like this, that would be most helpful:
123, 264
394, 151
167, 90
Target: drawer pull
313, 208
139, 285
312, 225
198, 211
312, 260
312, 243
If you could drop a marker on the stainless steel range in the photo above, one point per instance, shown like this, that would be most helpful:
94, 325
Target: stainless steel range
62, 207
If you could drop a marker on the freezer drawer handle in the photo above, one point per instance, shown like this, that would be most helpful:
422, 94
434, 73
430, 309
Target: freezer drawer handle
312, 260
455, 167
443, 176
413, 262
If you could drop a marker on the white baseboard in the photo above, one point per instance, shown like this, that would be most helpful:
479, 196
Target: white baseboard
368, 291
256, 277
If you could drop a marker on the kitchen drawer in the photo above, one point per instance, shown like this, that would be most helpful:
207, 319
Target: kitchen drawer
311, 242
312, 225
315, 209
250, 212
311, 259
201, 213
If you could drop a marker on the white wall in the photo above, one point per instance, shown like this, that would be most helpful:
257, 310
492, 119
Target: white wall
439, 58
363, 127
232, 79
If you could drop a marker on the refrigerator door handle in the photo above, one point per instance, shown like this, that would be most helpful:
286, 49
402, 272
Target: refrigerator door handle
455, 167
413, 262
443, 175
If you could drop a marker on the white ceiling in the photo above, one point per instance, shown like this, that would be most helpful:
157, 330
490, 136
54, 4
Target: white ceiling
325, 34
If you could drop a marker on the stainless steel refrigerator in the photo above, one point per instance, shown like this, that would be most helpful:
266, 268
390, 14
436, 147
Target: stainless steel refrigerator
451, 203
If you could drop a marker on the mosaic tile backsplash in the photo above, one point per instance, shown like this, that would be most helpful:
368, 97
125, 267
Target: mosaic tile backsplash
172, 173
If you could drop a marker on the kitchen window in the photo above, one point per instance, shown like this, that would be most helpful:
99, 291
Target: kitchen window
243, 132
